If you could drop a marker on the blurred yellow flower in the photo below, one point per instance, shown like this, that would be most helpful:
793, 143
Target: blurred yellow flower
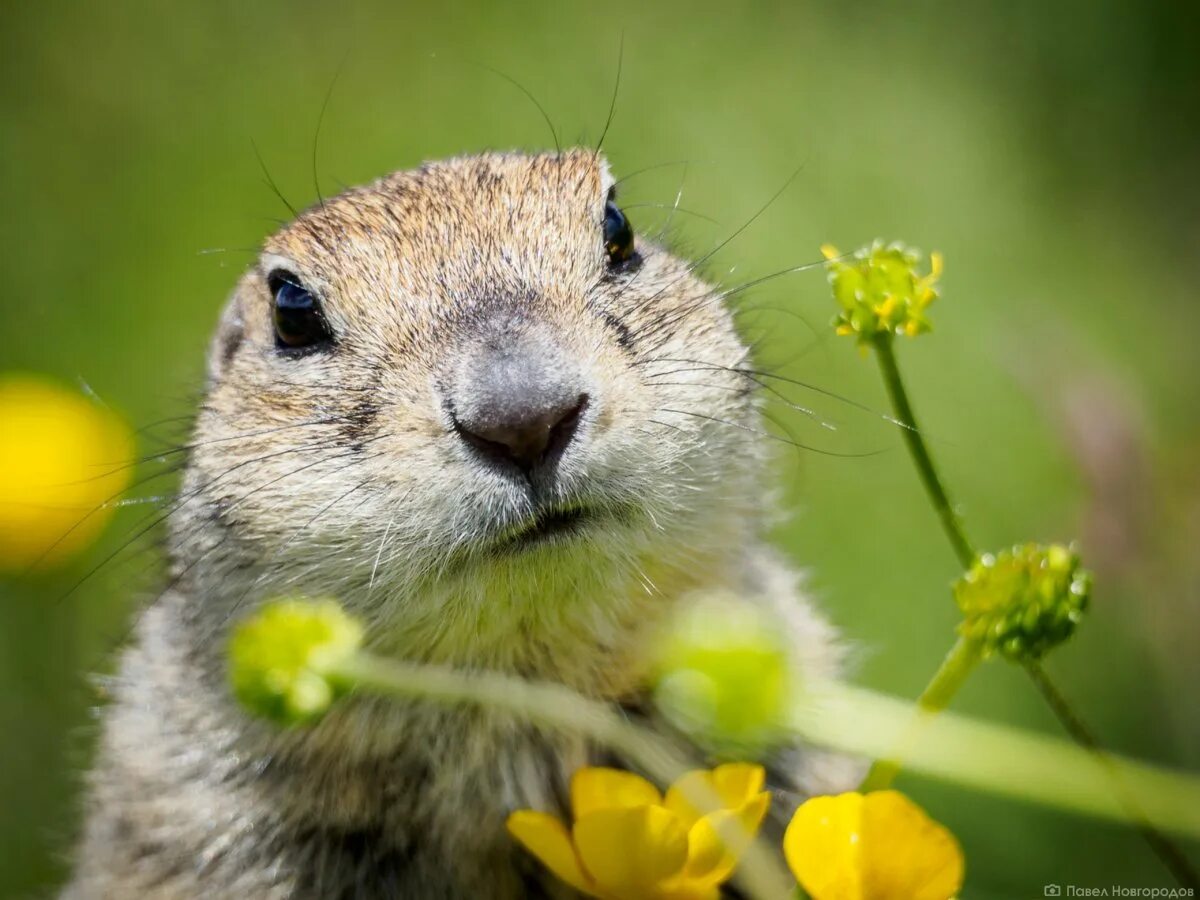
880, 291
62, 458
629, 842
723, 677
876, 846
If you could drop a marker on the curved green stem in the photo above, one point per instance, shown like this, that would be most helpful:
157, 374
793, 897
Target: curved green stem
952, 672
998, 759
951, 524
980, 755
1164, 848
959, 663
760, 872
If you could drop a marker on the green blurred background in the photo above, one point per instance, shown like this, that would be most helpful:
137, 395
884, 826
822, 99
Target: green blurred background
1048, 149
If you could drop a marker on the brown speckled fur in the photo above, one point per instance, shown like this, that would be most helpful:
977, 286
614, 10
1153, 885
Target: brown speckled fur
339, 472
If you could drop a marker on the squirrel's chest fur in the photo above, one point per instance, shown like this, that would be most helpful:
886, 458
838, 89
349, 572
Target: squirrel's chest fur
189, 799
196, 805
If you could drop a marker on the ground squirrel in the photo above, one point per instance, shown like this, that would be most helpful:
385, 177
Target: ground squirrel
470, 403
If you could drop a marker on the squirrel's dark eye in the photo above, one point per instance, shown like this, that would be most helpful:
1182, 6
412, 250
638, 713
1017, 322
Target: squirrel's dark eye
299, 322
618, 235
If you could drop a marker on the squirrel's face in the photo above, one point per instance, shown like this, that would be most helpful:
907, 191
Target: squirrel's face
470, 395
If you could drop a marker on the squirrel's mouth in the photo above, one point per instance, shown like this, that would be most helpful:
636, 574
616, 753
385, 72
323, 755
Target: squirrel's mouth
545, 526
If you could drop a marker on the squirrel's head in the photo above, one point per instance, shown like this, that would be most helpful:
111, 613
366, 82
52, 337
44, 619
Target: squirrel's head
478, 407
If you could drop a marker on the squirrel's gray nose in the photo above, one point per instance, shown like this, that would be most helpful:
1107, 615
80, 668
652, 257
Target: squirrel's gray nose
518, 401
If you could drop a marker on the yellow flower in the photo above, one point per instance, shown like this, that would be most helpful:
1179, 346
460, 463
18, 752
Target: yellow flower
880, 291
283, 658
629, 842
63, 459
876, 846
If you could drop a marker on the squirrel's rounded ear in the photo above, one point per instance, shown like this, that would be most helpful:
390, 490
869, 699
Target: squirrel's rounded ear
225, 343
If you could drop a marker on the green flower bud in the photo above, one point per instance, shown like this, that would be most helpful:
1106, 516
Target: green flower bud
880, 291
281, 659
723, 678
1023, 602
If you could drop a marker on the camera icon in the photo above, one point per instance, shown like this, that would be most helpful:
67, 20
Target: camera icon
1052, 890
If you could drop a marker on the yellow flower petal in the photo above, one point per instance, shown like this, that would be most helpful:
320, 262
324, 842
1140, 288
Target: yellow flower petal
880, 291
875, 847
630, 852
546, 838
731, 785
680, 794
906, 853
936, 264
690, 892
829, 251
718, 839
594, 788
822, 847
738, 782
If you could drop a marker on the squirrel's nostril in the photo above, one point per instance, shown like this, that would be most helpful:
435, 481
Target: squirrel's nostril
527, 433
517, 398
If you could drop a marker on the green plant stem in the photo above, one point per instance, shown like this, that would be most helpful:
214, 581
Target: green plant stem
994, 758
1164, 848
959, 663
944, 685
902, 407
760, 872
980, 755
